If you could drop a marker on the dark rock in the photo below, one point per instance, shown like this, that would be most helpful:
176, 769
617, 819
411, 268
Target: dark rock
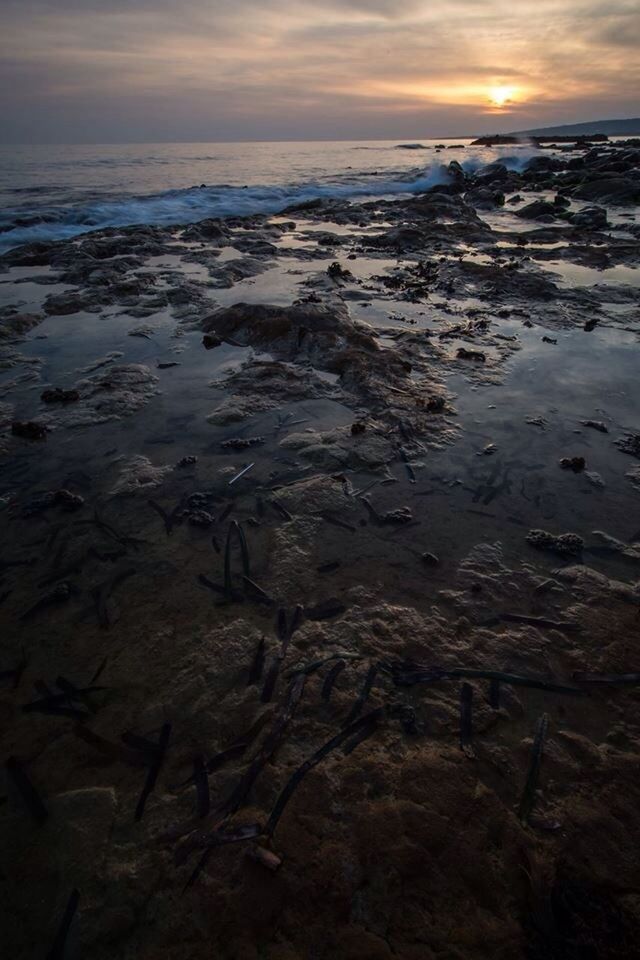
591, 218
241, 443
430, 559
29, 430
610, 190
464, 354
577, 464
630, 444
400, 515
58, 395
538, 210
199, 518
358, 427
187, 461
566, 544
336, 272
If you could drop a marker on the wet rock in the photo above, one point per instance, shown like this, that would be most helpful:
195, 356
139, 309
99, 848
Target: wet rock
200, 518
610, 190
464, 354
565, 544
577, 464
546, 339
337, 272
596, 425
210, 341
29, 429
241, 443
400, 515
357, 428
538, 210
187, 461
58, 395
145, 331
70, 502
485, 198
630, 444
436, 404
139, 474
114, 393
630, 551
595, 479
633, 476
590, 218
14, 324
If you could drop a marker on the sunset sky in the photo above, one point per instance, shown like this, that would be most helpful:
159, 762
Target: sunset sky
199, 70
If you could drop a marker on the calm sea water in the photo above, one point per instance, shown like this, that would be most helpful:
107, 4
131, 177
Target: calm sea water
57, 192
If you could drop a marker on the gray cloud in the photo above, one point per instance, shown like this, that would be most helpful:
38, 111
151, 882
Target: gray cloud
210, 69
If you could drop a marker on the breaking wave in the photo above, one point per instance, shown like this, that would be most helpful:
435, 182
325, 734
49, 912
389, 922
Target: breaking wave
28, 222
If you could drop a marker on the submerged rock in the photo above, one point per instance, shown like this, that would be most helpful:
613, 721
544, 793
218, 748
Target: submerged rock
58, 395
29, 429
138, 473
566, 544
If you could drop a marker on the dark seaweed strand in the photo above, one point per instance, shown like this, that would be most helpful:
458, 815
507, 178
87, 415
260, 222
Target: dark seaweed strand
199, 867
166, 519
228, 584
515, 679
281, 625
201, 781
368, 722
217, 840
28, 792
529, 792
234, 530
356, 709
244, 550
57, 948
466, 717
331, 678
257, 664
99, 671
613, 678
114, 751
260, 595
237, 749
494, 694
75, 693
296, 620
270, 681
154, 770
280, 723
214, 587
359, 737
284, 513
231, 753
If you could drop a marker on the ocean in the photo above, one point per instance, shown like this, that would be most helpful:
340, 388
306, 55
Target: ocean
58, 192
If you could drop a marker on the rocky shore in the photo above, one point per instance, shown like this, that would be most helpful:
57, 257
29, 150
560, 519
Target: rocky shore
319, 577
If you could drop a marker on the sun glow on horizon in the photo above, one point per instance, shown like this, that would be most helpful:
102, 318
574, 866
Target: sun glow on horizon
501, 96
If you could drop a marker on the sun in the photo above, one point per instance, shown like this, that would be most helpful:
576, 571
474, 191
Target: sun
501, 96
